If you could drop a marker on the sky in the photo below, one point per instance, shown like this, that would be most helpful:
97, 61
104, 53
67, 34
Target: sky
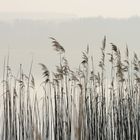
80, 8
31, 37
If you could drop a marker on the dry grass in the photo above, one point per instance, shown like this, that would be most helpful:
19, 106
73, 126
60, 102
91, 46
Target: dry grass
76, 105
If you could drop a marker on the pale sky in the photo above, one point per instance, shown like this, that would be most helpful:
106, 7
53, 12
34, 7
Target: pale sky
81, 8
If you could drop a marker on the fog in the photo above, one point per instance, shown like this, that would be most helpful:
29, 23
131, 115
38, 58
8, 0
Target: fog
27, 38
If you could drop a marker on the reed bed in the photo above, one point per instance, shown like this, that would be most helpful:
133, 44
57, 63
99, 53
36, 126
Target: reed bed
81, 104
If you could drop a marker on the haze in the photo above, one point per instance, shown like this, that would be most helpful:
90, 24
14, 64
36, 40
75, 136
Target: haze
25, 38
26, 25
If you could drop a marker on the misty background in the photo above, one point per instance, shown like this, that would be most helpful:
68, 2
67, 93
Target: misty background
26, 36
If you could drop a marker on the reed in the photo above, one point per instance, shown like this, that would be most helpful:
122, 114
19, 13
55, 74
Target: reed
81, 104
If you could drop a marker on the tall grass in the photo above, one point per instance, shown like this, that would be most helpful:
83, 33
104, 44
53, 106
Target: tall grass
82, 104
